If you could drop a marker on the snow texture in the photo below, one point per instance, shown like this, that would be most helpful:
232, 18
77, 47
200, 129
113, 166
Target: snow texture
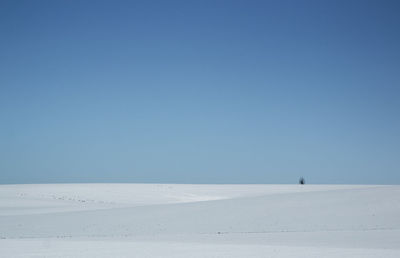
160, 220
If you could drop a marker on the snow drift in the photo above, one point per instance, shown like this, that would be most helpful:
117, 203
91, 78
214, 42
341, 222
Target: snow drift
159, 220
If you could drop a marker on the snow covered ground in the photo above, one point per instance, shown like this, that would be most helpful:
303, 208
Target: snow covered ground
160, 220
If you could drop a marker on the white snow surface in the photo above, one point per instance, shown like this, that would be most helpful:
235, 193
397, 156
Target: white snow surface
182, 220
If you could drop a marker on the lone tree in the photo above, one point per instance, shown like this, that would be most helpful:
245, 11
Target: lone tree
302, 181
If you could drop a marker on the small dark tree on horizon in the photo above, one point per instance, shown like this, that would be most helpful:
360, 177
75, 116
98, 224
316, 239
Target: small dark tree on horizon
302, 181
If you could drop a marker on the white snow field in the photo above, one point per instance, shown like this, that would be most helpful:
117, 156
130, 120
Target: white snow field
172, 220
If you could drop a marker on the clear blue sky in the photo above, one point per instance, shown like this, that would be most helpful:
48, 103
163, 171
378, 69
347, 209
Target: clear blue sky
200, 91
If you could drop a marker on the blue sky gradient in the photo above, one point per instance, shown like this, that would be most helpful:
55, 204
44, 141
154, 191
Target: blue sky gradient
200, 91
